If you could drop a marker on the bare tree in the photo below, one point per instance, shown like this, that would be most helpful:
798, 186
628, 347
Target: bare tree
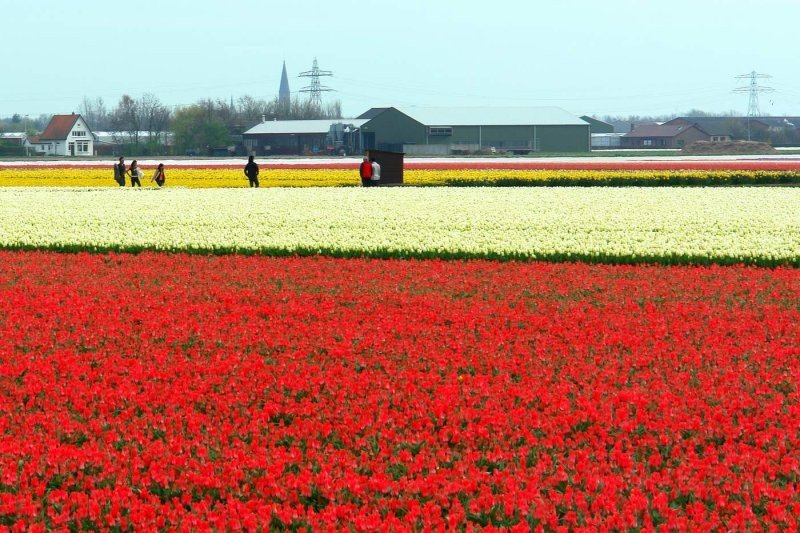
125, 118
153, 117
250, 109
95, 113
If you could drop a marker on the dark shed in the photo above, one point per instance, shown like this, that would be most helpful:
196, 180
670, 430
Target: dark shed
391, 166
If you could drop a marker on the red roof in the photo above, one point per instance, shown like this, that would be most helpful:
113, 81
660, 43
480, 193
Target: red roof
59, 127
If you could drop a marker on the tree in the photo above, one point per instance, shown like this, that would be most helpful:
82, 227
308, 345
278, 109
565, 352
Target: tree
95, 114
195, 127
154, 119
125, 118
251, 110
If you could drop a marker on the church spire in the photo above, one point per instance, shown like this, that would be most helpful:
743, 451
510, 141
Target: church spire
284, 95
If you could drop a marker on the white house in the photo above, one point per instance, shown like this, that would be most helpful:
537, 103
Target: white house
66, 135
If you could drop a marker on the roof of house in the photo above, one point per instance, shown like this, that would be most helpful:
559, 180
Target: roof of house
492, 116
660, 130
59, 127
300, 127
719, 125
780, 122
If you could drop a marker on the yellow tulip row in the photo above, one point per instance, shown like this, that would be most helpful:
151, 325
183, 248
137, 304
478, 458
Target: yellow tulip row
229, 177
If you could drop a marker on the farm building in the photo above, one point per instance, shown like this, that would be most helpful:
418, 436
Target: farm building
778, 130
304, 137
443, 130
426, 131
598, 126
663, 136
606, 141
724, 128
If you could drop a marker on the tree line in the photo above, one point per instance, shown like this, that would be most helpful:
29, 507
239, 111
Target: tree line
142, 123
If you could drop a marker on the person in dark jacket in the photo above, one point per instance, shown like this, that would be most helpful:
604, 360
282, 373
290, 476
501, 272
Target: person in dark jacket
251, 171
365, 170
119, 172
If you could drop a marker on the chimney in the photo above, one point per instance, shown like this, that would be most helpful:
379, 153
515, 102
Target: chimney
633, 126
263, 118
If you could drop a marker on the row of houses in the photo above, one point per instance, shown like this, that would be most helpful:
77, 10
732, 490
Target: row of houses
433, 131
420, 131
682, 131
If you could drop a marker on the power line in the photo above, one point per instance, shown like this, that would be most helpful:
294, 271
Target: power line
753, 89
315, 89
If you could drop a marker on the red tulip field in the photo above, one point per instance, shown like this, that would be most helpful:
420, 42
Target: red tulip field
188, 392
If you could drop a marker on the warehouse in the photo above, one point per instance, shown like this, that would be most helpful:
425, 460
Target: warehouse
303, 137
448, 130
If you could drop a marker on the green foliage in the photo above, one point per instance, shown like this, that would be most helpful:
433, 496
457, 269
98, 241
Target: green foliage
194, 127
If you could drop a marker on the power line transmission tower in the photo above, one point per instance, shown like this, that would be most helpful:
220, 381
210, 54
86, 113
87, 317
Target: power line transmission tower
753, 89
316, 89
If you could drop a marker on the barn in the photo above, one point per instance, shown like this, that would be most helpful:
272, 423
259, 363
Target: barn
303, 137
453, 130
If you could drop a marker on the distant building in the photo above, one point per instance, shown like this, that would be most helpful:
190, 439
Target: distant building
447, 130
597, 125
426, 131
113, 142
722, 129
304, 137
663, 136
15, 138
15, 143
66, 135
284, 94
602, 141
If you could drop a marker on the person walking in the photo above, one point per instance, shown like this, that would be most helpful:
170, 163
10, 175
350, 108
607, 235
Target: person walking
251, 171
159, 177
376, 173
134, 173
365, 171
119, 172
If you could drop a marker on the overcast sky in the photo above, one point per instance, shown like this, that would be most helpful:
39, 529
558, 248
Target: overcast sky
614, 57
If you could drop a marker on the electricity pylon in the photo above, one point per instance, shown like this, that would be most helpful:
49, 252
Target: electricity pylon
753, 89
316, 89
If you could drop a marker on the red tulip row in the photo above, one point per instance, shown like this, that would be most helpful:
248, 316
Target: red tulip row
180, 392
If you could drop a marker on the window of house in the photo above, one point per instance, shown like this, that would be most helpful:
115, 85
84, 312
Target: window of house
78, 133
648, 142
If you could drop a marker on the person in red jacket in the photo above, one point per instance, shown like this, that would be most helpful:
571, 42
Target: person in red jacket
366, 172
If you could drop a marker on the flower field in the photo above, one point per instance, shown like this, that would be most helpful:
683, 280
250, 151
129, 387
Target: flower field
335, 176
315, 356
171, 391
620, 225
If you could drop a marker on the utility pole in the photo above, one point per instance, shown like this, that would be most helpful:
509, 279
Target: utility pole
753, 88
315, 90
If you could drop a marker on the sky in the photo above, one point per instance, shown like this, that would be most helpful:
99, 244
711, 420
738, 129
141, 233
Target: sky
616, 58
